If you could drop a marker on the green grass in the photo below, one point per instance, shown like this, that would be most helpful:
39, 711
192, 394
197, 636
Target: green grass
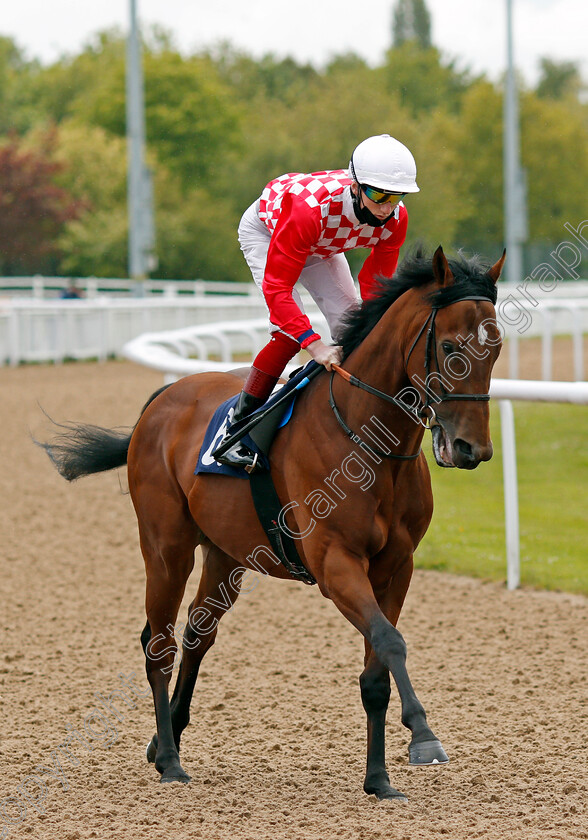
467, 536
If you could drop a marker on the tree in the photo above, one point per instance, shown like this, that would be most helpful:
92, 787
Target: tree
554, 147
559, 79
50, 94
411, 21
472, 149
222, 124
191, 116
10, 64
196, 235
554, 152
422, 81
196, 232
94, 170
267, 78
16, 79
33, 207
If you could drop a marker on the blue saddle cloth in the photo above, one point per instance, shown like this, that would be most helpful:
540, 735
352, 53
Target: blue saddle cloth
222, 416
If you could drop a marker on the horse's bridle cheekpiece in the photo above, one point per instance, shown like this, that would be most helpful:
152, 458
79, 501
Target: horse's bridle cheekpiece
426, 410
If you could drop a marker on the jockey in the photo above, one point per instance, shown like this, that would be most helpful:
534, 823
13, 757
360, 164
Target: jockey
297, 231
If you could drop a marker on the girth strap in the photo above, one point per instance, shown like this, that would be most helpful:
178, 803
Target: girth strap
268, 506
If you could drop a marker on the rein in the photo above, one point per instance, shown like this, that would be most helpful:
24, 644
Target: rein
445, 395
349, 432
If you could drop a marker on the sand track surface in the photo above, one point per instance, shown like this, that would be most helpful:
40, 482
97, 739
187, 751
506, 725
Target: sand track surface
276, 745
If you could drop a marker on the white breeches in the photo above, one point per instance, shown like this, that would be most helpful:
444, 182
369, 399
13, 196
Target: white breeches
328, 281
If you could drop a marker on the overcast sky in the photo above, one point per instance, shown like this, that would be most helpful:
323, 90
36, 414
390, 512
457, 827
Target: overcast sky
472, 31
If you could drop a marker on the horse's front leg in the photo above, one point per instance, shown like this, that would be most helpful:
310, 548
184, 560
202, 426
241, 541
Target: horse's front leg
375, 688
346, 582
375, 695
424, 747
390, 648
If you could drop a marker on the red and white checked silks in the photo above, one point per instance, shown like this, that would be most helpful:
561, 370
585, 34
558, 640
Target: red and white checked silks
311, 215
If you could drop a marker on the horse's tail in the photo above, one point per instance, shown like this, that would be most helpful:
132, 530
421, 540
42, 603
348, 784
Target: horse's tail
83, 449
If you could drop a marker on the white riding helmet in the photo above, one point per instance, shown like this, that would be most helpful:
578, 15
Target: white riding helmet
384, 163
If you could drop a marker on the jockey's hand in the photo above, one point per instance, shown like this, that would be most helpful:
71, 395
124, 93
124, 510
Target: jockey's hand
325, 355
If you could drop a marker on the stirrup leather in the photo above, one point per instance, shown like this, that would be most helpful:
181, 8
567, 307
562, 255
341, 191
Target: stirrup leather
240, 455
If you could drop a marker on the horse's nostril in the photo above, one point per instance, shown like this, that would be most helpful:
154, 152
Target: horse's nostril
464, 448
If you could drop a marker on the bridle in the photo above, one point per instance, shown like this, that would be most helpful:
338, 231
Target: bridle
426, 413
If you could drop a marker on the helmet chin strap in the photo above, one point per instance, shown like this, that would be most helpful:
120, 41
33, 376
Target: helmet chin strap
365, 216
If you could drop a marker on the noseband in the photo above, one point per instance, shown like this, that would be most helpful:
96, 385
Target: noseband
426, 410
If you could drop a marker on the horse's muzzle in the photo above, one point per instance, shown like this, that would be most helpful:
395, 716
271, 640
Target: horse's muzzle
468, 456
458, 453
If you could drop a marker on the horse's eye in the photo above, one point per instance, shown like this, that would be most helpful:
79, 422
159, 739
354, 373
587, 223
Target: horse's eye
447, 347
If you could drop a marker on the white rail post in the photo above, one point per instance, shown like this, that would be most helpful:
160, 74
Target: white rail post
578, 344
14, 332
511, 498
547, 345
38, 287
513, 356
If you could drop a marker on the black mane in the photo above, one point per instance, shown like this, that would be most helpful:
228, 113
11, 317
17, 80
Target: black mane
416, 270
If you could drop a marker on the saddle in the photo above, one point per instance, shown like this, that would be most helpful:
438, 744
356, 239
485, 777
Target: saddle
258, 432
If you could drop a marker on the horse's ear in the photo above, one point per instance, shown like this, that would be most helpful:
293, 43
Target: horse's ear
495, 271
441, 268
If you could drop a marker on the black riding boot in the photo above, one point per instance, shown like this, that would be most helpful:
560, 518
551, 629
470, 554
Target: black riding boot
240, 455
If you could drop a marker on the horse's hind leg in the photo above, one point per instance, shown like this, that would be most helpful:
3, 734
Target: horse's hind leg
168, 562
217, 592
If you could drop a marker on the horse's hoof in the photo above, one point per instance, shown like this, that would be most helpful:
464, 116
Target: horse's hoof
427, 753
391, 795
175, 774
152, 750
383, 790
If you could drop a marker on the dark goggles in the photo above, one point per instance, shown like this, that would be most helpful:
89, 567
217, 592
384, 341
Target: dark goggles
381, 196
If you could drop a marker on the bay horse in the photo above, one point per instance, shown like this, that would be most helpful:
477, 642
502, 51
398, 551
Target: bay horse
349, 472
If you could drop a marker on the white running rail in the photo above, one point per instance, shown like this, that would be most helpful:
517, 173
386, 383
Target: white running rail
50, 330
211, 347
54, 330
40, 287
506, 390
555, 316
